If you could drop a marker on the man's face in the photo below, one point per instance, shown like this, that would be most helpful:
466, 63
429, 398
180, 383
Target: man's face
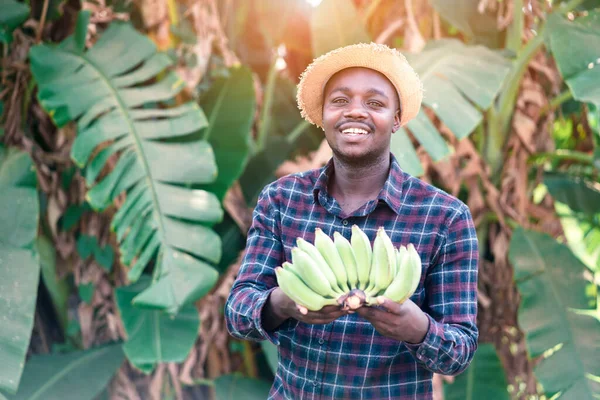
360, 112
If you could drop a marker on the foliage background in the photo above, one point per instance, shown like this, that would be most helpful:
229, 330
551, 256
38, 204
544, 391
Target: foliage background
136, 135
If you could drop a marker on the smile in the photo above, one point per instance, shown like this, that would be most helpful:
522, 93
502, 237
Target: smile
354, 131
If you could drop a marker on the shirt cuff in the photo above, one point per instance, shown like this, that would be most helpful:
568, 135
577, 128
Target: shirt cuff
273, 337
427, 350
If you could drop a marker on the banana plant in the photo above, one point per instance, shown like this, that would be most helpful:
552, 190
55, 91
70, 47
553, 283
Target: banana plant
558, 315
120, 94
19, 262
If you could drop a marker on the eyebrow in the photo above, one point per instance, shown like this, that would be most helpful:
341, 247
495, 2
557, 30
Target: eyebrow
346, 89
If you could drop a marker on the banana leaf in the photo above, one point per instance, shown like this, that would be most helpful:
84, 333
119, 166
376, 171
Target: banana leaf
153, 336
271, 354
13, 14
557, 315
80, 375
233, 387
582, 234
580, 194
459, 82
481, 28
576, 49
483, 379
105, 90
19, 262
58, 288
335, 23
229, 106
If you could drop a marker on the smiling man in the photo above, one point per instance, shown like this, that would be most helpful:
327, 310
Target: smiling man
360, 95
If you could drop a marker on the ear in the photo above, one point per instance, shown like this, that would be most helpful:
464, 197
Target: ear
397, 120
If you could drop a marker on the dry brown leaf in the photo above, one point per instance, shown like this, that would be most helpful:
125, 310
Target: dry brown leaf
525, 128
86, 322
235, 204
153, 12
316, 159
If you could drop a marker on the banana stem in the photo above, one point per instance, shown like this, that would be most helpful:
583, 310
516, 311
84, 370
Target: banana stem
265, 117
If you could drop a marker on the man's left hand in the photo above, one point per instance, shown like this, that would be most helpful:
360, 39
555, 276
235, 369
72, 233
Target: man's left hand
404, 322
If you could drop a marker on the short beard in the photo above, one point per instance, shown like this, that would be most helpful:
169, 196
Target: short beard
367, 160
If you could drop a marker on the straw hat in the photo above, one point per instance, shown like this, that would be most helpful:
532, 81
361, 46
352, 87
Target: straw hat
379, 57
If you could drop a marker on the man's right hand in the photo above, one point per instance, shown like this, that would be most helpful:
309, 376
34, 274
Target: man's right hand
283, 308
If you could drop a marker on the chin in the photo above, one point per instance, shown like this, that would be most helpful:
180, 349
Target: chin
357, 157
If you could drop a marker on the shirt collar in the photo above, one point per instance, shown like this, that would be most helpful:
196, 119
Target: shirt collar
390, 192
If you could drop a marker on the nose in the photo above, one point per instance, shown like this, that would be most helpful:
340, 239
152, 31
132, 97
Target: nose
355, 110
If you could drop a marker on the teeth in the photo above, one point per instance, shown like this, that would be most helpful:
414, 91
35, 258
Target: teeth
355, 131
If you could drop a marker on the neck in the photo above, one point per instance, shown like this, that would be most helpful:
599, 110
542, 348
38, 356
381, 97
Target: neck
360, 182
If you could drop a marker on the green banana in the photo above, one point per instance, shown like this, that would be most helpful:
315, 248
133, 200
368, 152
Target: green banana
399, 289
382, 265
301, 294
310, 273
361, 245
314, 253
417, 268
327, 248
344, 248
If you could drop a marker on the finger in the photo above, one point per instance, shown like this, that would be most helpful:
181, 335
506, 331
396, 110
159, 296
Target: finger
303, 310
389, 305
330, 309
372, 314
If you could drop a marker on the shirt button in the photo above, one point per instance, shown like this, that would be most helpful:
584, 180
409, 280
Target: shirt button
345, 222
321, 341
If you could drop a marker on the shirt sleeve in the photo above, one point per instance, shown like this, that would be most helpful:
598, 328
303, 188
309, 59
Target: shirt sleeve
256, 278
451, 302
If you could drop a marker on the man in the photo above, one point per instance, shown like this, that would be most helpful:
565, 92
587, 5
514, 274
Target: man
360, 95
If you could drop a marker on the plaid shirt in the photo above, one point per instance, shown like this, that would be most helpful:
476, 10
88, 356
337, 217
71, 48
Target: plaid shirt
348, 358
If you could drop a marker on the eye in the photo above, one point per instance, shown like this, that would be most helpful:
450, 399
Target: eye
374, 103
339, 100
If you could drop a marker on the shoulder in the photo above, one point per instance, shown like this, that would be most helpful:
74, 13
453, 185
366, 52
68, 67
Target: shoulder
432, 198
292, 186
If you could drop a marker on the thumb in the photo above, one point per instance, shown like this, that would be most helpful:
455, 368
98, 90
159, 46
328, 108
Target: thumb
388, 305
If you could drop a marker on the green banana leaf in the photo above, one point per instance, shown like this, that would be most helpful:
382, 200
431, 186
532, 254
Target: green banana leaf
582, 234
13, 14
154, 336
234, 387
459, 82
465, 16
483, 379
580, 194
555, 314
79, 375
335, 23
104, 91
58, 288
271, 354
230, 106
19, 262
576, 49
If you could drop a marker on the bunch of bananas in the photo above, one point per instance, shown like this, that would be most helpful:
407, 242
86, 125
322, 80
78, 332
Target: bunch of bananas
349, 273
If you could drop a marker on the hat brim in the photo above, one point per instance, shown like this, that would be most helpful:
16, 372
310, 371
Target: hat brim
390, 62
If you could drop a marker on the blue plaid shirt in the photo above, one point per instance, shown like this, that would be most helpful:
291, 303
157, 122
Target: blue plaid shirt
348, 358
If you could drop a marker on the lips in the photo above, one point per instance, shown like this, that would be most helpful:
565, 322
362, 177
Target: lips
355, 129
